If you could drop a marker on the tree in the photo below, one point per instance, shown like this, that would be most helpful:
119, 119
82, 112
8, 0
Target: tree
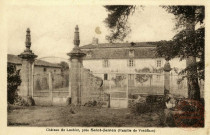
141, 78
187, 44
117, 21
64, 66
13, 81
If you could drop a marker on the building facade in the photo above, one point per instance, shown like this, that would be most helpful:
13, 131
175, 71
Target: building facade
108, 60
40, 66
125, 57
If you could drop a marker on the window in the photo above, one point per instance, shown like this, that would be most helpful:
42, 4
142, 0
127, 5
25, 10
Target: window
44, 69
89, 53
131, 63
158, 63
105, 76
158, 78
105, 63
131, 53
54, 70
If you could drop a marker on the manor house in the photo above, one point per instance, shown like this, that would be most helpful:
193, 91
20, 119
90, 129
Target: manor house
125, 57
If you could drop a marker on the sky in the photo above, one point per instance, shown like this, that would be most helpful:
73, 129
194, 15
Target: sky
52, 27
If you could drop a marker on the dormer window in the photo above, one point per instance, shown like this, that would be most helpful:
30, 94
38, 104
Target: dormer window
131, 53
45, 69
89, 54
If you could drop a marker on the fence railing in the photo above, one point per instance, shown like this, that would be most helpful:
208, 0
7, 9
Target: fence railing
124, 86
50, 88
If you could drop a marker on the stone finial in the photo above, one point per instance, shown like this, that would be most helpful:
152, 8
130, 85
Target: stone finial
167, 67
28, 54
76, 36
28, 39
76, 52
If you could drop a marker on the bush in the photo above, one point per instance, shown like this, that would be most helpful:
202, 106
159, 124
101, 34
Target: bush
154, 99
140, 108
144, 107
91, 103
13, 81
20, 101
193, 113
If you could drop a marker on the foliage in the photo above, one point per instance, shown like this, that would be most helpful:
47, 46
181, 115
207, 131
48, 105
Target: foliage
118, 79
183, 45
64, 66
193, 113
41, 83
19, 101
187, 14
142, 108
189, 42
13, 81
90, 103
141, 78
117, 21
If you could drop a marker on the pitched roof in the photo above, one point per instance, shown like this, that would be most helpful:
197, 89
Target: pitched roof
119, 51
119, 45
16, 60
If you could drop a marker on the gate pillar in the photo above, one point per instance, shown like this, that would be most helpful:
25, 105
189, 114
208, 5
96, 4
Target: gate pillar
76, 57
167, 69
28, 58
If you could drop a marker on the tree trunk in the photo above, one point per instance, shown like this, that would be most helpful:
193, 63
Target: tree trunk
192, 79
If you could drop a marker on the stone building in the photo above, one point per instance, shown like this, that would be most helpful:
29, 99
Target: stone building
133, 58
40, 66
125, 57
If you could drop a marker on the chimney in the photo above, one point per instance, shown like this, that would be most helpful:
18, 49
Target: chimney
95, 41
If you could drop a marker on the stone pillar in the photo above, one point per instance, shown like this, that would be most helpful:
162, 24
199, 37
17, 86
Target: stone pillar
167, 69
76, 56
28, 57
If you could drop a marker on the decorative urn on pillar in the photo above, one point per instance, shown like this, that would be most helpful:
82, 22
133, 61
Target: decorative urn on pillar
76, 56
28, 58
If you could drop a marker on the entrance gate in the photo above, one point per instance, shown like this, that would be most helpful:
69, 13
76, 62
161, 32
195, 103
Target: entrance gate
123, 87
50, 82
118, 91
51, 88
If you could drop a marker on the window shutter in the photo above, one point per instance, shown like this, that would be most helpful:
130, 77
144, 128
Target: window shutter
128, 62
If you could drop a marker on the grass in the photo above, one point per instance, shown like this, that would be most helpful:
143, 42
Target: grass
83, 116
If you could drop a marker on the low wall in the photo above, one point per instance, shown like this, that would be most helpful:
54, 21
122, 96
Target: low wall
42, 101
90, 87
46, 97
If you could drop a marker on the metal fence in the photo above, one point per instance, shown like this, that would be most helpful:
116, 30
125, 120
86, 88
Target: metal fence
50, 88
122, 87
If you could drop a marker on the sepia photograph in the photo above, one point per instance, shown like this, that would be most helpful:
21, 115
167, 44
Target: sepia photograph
98, 66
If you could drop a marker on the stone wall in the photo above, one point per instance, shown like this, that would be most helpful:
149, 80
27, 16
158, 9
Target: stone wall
91, 87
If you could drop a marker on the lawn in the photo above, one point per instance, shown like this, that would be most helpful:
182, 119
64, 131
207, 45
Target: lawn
79, 116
